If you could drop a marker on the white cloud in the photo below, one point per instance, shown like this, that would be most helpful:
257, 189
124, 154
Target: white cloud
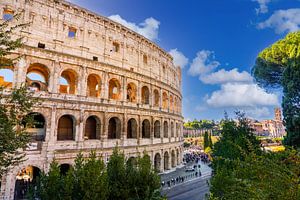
148, 28
178, 58
283, 21
203, 63
263, 6
241, 95
257, 112
222, 76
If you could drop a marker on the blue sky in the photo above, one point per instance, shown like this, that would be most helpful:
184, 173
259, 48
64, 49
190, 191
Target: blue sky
216, 41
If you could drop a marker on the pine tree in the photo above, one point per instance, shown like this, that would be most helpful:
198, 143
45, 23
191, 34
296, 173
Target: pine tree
210, 141
206, 140
279, 66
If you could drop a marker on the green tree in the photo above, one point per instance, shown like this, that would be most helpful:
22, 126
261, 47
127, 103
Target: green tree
210, 143
15, 106
206, 140
145, 184
279, 66
243, 171
116, 175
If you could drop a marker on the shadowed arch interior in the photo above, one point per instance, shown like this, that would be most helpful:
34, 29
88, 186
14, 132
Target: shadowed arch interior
166, 129
157, 129
166, 161
92, 128
145, 95
114, 128
157, 162
146, 129
132, 128
66, 128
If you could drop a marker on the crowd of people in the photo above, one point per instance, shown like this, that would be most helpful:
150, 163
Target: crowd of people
191, 160
196, 156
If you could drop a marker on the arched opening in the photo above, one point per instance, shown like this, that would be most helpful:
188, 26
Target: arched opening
171, 103
114, 128
157, 129
172, 129
92, 128
165, 100
132, 128
131, 92
177, 129
6, 78
166, 161
66, 128
175, 104
173, 159
93, 85
25, 180
64, 168
114, 89
145, 95
68, 82
146, 129
35, 125
157, 162
166, 134
156, 98
37, 77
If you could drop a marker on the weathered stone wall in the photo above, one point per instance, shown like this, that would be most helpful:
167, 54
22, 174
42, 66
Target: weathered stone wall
74, 59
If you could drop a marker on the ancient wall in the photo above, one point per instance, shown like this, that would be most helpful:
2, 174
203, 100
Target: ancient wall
119, 88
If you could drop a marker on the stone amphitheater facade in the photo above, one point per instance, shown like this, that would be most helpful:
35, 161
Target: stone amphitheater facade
102, 86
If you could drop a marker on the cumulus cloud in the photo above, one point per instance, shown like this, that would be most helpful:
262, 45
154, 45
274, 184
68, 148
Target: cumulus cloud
257, 112
178, 58
222, 76
241, 95
148, 28
263, 6
283, 21
203, 63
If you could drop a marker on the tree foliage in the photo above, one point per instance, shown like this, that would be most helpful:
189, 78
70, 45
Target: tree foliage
279, 66
15, 105
201, 124
243, 171
90, 179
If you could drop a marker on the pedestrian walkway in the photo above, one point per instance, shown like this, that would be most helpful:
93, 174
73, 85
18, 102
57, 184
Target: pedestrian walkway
181, 175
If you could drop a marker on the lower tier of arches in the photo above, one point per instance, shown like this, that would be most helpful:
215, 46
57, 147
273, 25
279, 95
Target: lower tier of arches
163, 158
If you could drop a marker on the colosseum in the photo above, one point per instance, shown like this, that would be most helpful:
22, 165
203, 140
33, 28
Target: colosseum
101, 84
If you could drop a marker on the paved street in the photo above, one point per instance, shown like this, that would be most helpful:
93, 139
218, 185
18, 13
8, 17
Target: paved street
193, 188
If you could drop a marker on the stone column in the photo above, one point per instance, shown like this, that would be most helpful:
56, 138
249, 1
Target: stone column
104, 86
53, 128
81, 82
21, 72
123, 86
55, 78
80, 131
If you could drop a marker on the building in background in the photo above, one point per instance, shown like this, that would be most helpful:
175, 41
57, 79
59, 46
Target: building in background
270, 127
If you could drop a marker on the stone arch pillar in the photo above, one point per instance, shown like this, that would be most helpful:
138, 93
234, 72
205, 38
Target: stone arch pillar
21, 72
104, 86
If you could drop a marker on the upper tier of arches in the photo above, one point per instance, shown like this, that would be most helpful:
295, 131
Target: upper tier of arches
92, 84
92, 37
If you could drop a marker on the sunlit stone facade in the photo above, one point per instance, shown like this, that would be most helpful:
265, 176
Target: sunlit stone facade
101, 84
